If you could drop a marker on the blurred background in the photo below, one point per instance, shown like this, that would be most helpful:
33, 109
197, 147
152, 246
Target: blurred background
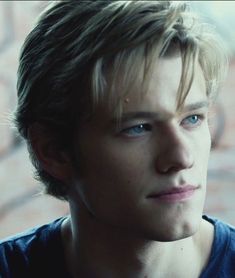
21, 204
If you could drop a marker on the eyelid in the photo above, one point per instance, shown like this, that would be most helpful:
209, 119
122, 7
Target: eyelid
200, 112
134, 122
201, 117
136, 125
127, 131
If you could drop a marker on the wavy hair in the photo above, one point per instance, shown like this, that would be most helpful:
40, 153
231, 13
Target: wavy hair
80, 50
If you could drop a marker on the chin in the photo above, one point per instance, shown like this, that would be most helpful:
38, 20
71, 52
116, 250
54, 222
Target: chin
174, 230
175, 235
182, 231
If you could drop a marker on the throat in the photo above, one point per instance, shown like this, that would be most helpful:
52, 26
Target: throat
95, 256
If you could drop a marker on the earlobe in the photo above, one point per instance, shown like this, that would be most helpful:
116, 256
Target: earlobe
51, 157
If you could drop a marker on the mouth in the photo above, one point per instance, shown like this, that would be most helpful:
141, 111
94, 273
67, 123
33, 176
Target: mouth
174, 194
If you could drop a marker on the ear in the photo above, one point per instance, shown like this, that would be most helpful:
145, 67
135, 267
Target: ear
52, 158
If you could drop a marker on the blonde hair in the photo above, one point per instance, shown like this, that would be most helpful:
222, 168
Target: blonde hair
80, 50
169, 29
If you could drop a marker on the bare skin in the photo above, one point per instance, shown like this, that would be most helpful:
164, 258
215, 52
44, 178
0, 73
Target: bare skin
102, 256
117, 228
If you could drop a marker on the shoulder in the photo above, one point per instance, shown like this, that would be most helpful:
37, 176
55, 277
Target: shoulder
224, 235
23, 252
222, 259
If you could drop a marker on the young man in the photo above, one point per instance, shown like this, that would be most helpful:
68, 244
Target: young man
113, 103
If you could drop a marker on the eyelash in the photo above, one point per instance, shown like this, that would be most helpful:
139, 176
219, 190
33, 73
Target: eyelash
143, 128
200, 118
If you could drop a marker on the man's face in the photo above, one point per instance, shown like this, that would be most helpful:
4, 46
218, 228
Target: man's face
147, 175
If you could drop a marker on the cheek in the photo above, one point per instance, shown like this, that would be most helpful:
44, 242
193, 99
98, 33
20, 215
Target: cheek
112, 169
113, 158
111, 177
202, 148
206, 143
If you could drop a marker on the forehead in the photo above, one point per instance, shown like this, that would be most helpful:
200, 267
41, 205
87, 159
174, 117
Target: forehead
161, 90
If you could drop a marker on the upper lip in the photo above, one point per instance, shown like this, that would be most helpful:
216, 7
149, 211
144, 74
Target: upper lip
173, 190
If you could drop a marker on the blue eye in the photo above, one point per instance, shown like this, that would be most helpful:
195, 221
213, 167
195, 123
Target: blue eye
192, 120
137, 130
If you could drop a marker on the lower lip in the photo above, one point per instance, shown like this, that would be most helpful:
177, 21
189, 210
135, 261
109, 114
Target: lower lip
175, 197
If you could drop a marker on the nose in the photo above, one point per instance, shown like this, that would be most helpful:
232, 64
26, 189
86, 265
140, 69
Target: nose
174, 154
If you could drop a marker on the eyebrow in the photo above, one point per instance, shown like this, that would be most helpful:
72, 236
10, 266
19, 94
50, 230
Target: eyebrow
195, 106
150, 115
139, 115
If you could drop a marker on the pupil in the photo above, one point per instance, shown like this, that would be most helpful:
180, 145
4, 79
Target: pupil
139, 128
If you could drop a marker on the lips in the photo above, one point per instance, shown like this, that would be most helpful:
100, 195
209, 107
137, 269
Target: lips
174, 193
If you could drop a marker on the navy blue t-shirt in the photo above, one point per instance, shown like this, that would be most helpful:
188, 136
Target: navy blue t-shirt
39, 253
222, 260
34, 253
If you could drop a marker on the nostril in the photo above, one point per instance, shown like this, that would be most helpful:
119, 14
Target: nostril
174, 161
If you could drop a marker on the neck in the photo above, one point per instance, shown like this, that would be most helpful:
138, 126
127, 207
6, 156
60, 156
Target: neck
101, 251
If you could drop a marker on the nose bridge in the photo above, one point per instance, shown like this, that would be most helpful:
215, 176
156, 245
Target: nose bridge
175, 152
177, 138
